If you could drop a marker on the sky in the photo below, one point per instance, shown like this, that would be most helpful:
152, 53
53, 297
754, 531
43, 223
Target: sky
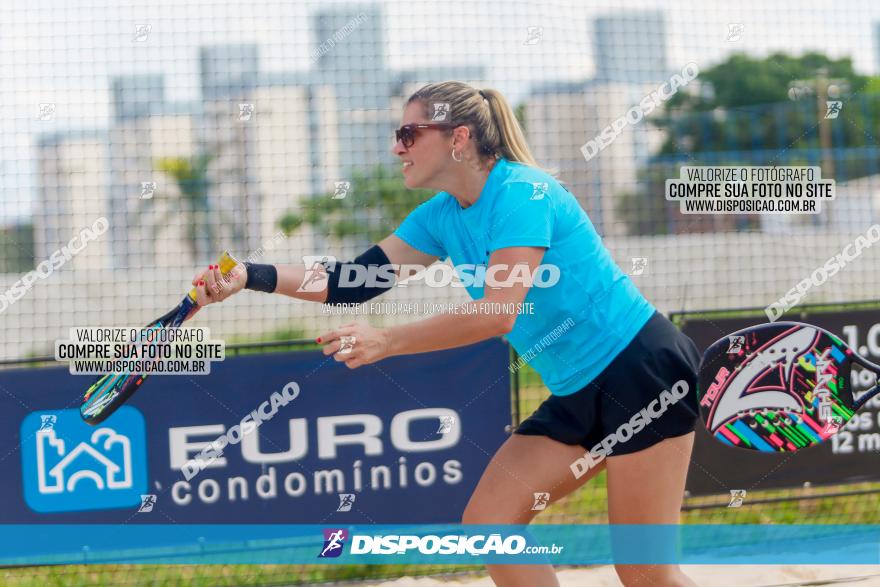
63, 51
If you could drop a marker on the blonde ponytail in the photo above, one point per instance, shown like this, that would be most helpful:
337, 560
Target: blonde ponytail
511, 140
487, 113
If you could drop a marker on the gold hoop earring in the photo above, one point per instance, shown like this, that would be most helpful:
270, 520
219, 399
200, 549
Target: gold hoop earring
459, 160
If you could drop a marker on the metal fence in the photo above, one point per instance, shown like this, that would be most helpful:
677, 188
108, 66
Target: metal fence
173, 132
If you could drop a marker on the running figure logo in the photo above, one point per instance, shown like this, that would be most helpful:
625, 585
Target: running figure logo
446, 424
346, 344
736, 498
834, 107
245, 112
315, 277
47, 111
534, 35
147, 503
341, 189
147, 189
735, 31
541, 500
141, 32
735, 344
539, 190
334, 541
47, 422
346, 500
832, 425
441, 111
639, 265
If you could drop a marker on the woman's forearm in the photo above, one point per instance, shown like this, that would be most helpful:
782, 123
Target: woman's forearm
443, 331
290, 283
448, 330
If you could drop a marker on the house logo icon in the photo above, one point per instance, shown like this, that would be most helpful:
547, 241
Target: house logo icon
73, 466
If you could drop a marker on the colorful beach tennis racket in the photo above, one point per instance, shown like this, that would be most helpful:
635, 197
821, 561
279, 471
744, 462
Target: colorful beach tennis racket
113, 389
779, 387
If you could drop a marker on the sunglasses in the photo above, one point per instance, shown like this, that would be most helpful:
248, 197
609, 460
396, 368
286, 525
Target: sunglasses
407, 133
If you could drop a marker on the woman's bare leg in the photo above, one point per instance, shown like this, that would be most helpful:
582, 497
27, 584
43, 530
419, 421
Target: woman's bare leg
523, 466
647, 487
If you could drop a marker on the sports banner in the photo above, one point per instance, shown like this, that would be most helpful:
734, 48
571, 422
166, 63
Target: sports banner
852, 455
441, 544
283, 438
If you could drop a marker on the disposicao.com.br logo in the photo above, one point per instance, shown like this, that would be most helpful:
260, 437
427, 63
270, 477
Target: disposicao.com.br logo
334, 542
447, 544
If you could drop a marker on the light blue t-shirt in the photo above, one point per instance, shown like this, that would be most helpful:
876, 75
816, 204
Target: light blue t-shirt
579, 324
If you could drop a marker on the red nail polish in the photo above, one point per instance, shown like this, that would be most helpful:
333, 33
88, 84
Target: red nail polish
201, 282
318, 339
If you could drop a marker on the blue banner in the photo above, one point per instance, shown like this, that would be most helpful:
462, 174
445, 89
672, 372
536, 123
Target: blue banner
440, 544
283, 438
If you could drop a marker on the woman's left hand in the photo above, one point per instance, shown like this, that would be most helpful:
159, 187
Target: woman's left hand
357, 344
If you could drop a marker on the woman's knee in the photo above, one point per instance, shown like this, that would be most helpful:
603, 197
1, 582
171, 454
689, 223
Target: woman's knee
495, 511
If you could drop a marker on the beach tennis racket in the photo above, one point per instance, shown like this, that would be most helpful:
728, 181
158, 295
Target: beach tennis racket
779, 387
113, 389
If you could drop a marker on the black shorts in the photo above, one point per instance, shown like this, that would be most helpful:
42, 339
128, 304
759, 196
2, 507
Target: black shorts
659, 356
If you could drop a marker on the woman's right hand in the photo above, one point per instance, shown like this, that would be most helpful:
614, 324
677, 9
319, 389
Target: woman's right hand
212, 286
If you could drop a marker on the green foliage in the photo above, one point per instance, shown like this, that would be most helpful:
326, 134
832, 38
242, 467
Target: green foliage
872, 85
290, 222
213, 575
192, 203
746, 81
17, 248
376, 204
520, 113
287, 333
643, 211
749, 108
739, 112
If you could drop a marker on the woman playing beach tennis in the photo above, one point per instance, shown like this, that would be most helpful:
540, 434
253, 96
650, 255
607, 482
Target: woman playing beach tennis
614, 357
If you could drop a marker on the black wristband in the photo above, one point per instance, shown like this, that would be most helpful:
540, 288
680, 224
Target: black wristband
374, 257
261, 277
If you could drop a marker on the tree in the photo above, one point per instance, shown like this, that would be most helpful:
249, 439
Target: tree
375, 204
17, 248
745, 105
741, 112
192, 203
